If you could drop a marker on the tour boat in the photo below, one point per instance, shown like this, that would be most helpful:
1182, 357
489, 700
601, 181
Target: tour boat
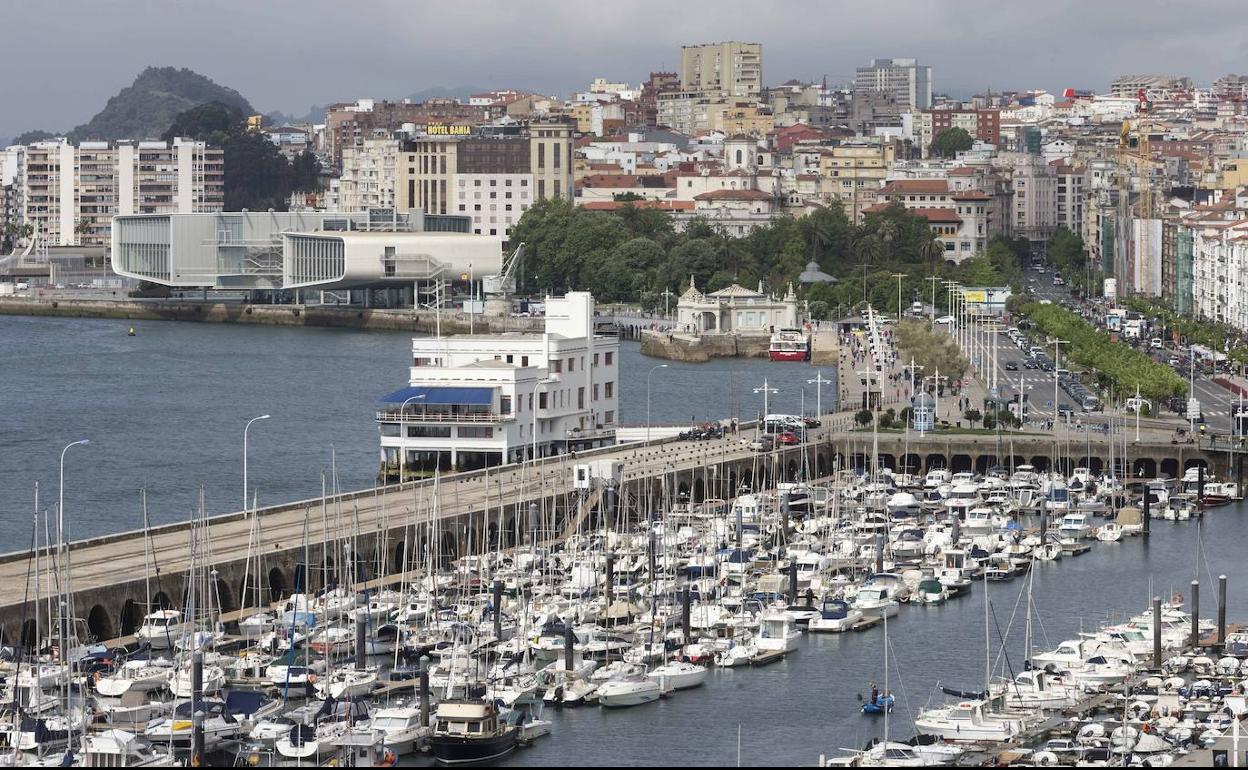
789, 345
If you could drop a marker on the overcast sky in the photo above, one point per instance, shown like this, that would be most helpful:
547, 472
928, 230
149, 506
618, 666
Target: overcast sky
63, 59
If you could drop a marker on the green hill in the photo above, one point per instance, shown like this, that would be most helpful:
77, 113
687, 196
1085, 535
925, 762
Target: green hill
147, 107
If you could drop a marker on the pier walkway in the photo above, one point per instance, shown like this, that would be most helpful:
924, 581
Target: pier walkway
463, 513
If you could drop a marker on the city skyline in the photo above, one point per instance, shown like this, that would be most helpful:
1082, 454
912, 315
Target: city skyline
327, 53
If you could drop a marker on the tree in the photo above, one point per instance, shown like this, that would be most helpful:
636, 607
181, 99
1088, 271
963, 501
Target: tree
863, 417
972, 415
989, 420
950, 142
933, 250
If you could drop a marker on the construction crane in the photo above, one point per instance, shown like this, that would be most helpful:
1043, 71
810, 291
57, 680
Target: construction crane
1134, 162
504, 283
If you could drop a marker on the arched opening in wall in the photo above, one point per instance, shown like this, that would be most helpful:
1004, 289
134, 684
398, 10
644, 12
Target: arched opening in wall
1197, 462
251, 591
449, 550
682, 491
1144, 468
29, 632
790, 471
859, 462
1040, 462
888, 461
984, 462
131, 617
1094, 464
838, 462
223, 601
1064, 465
699, 490
911, 463
401, 557
936, 462
960, 463
301, 579
821, 465
100, 624
161, 602
1016, 461
1170, 468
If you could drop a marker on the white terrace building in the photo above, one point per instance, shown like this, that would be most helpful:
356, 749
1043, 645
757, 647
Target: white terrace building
485, 400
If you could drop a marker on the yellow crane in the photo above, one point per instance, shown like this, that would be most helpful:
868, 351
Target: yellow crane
1134, 163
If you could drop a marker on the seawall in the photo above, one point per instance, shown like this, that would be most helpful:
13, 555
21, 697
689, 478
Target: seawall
267, 315
681, 347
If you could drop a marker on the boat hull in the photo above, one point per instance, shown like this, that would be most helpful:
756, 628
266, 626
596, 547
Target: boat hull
449, 750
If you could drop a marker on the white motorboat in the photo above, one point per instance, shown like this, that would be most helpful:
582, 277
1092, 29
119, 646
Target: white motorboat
679, 675
137, 675
180, 681
1110, 532
836, 617
1075, 526
346, 683
777, 633
399, 726
967, 722
160, 629
629, 691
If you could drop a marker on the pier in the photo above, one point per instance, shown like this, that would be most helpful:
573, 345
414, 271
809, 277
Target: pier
465, 513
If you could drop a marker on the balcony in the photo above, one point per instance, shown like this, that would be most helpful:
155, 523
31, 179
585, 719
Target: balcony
415, 417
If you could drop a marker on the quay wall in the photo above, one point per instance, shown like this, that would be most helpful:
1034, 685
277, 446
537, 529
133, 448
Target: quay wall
422, 321
490, 507
691, 349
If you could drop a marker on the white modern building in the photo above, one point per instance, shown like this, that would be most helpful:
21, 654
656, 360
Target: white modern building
477, 401
905, 80
300, 250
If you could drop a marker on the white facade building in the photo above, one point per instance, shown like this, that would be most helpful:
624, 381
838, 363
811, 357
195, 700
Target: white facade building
494, 201
368, 175
486, 400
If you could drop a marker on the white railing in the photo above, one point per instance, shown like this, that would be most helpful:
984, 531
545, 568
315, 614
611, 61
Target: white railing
415, 417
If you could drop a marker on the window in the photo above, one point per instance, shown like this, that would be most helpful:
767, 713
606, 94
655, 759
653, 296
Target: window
429, 431
610, 357
475, 431
595, 391
595, 359
556, 366
580, 398
571, 364
609, 390
541, 400
608, 418
524, 360
504, 402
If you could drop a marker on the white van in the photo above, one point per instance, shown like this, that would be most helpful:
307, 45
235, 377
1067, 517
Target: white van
1155, 343
917, 308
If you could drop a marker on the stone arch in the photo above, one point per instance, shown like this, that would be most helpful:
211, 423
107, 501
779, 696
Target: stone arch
400, 557
936, 461
699, 490
131, 617
821, 465
1170, 467
911, 463
449, 550
223, 600
1197, 462
682, 491
301, 579
29, 636
1144, 467
790, 471
984, 462
960, 463
1040, 462
250, 591
888, 461
161, 601
1017, 460
858, 461
100, 624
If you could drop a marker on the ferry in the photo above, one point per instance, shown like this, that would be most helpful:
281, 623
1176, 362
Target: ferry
789, 345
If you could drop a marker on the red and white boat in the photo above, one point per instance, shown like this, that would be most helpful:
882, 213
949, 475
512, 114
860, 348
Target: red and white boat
789, 345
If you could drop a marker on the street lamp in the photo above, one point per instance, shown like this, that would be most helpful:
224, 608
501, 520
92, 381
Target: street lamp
819, 382
899, 276
245, 429
766, 390
660, 366
60, 531
403, 433
1057, 365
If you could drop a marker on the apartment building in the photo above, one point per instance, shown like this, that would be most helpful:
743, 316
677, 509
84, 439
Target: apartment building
1070, 196
1034, 211
906, 81
1129, 86
349, 124
961, 218
368, 175
984, 125
730, 69
72, 192
853, 172
492, 177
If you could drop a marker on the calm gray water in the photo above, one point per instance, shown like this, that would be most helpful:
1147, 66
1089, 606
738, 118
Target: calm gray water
166, 409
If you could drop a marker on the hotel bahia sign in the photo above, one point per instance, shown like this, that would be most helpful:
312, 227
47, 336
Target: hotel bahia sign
444, 129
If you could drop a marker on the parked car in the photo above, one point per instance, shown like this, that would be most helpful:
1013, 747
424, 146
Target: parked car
763, 443
788, 438
1011, 366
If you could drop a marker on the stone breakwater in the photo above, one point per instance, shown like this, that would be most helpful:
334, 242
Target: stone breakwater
270, 315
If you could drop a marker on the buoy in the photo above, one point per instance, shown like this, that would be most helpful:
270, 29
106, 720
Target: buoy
131, 332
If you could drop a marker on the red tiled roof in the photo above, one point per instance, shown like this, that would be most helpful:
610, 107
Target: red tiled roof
664, 205
902, 186
938, 215
970, 195
733, 195
962, 171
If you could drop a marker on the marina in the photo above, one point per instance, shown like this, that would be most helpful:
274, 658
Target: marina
771, 577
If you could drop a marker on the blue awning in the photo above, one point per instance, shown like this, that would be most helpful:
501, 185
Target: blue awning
441, 395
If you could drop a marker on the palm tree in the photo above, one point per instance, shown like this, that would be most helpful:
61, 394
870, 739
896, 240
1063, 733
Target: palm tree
887, 233
871, 248
932, 249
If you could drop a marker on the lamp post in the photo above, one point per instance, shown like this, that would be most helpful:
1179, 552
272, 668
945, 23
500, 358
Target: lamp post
766, 390
403, 433
819, 382
1057, 364
245, 429
899, 276
60, 529
660, 366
